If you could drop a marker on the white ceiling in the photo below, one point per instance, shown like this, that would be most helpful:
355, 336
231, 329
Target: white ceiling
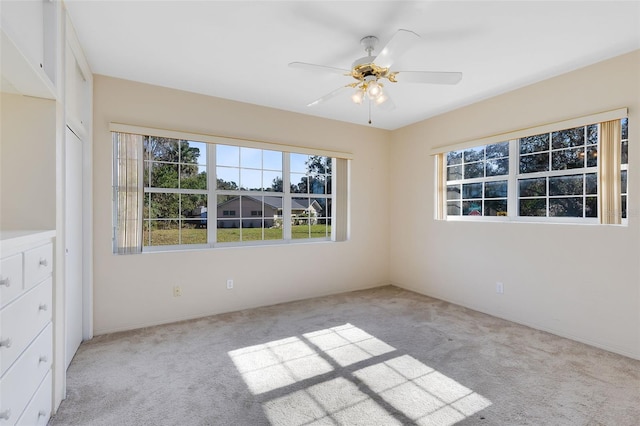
239, 50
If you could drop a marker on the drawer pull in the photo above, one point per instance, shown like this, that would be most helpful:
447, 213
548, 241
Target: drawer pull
43, 262
5, 414
43, 307
43, 358
42, 413
5, 282
6, 343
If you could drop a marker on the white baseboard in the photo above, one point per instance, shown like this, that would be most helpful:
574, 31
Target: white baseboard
173, 319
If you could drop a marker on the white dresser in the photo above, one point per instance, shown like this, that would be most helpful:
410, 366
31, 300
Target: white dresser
26, 332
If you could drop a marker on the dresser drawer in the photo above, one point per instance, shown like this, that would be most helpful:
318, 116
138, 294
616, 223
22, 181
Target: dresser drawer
38, 264
38, 411
22, 320
21, 381
10, 278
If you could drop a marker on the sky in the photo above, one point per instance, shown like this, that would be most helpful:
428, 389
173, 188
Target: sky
250, 167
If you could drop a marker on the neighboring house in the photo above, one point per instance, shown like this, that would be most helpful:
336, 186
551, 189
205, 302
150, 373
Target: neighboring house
253, 211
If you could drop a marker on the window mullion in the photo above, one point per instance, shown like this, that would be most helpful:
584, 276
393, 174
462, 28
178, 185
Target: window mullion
547, 195
158, 190
478, 180
512, 186
140, 151
212, 195
286, 199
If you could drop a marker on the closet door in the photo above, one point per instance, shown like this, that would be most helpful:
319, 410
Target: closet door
73, 245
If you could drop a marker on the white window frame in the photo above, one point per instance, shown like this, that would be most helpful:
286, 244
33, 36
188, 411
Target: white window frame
181, 191
483, 180
550, 173
212, 191
514, 172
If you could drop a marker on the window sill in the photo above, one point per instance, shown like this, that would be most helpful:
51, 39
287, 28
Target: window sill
222, 246
535, 220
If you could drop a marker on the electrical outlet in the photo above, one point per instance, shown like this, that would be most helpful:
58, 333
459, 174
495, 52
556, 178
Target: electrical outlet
229, 284
499, 288
177, 291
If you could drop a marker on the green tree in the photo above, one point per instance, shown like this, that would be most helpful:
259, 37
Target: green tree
318, 179
224, 185
172, 163
319, 165
277, 185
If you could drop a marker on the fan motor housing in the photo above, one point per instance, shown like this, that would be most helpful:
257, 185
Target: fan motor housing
364, 67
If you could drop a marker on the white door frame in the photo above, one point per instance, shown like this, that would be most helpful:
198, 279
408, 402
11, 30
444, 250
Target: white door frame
78, 117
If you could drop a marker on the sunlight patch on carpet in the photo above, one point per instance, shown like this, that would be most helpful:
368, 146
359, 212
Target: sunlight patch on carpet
420, 392
390, 391
276, 364
337, 399
347, 344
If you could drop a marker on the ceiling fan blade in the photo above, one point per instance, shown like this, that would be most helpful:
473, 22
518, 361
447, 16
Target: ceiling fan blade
401, 41
328, 96
429, 77
318, 68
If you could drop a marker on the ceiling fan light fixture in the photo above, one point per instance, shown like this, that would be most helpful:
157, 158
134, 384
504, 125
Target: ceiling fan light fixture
370, 72
381, 98
374, 90
358, 96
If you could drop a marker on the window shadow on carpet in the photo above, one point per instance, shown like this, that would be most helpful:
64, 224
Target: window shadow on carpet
344, 375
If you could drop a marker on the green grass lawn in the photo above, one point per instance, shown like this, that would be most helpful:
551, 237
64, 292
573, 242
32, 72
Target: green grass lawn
164, 237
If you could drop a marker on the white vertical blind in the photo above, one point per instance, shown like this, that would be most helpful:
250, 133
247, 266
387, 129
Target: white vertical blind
340, 201
441, 187
609, 184
129, 201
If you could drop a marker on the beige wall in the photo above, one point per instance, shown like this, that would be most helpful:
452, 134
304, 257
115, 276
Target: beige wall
136, 290
578, 281
27, 162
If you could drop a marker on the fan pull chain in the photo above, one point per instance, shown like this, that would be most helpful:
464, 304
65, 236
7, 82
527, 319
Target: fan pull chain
369, 111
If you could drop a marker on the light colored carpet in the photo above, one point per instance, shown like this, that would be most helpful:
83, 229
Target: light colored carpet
376, 357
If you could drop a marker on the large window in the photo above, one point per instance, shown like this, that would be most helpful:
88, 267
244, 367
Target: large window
553, 175
197, 194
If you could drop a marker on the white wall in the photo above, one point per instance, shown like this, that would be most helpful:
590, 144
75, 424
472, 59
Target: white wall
136, 290
27, 162
578, 281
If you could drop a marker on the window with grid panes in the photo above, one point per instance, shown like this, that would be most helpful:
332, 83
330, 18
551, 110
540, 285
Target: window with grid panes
476, 181
310, 186
175, 192
547, 175
204, 194
243, 177
558, 173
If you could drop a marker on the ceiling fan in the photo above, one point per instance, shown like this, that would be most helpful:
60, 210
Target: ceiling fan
370, 71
